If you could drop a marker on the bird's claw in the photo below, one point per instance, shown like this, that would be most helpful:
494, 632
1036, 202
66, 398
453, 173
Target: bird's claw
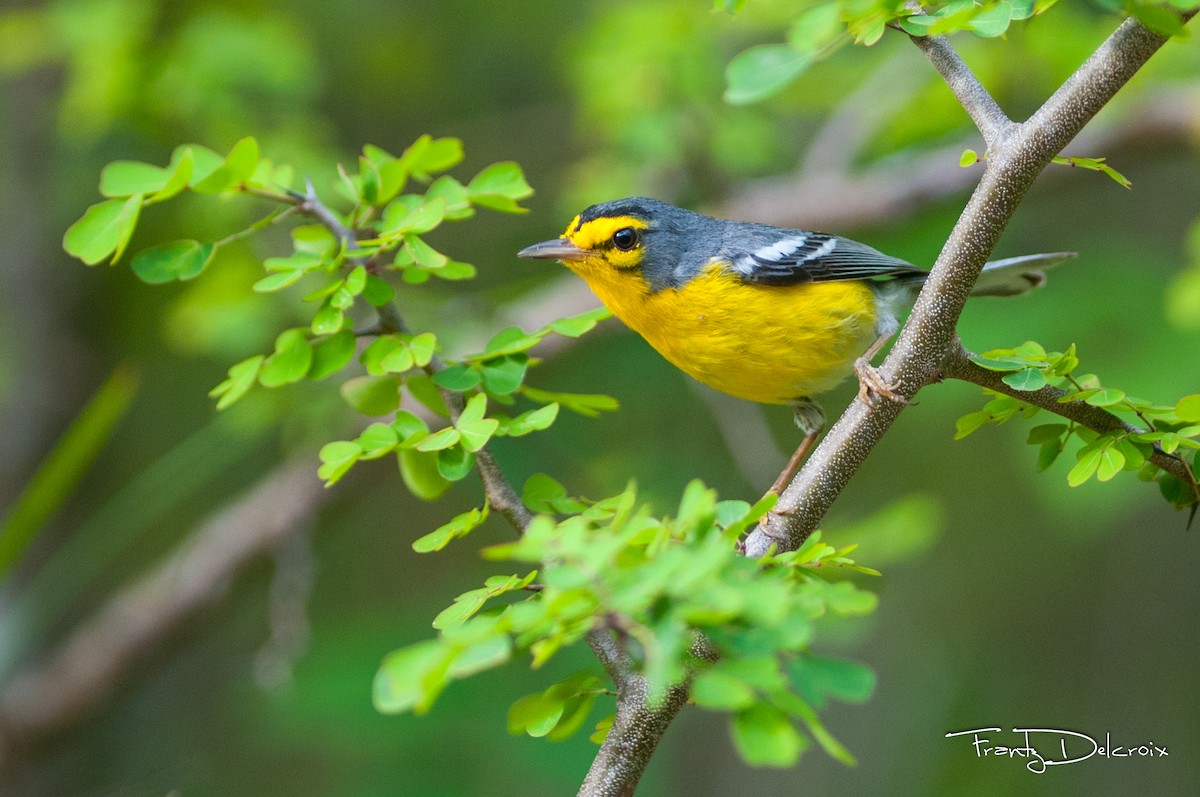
871, 385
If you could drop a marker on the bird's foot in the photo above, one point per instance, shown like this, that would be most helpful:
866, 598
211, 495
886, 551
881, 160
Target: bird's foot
871, 386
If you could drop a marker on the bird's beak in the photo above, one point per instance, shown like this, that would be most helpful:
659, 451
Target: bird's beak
558, 249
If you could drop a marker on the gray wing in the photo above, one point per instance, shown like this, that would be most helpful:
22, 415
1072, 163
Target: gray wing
798, 256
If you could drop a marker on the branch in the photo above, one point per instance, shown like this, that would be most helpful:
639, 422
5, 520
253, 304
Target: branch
94, 658
959, 366
992, 122
638, 727
1015, 161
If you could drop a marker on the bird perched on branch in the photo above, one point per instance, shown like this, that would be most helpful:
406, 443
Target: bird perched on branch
762, 313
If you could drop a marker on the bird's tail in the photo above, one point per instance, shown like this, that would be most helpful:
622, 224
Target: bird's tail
1011, 276
1016, 275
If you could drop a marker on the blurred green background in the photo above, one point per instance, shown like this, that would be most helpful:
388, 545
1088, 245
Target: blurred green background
1023, 603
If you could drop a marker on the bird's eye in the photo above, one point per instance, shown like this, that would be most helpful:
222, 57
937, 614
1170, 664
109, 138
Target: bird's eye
625, 238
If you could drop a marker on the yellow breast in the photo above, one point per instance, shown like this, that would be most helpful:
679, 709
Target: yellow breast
764, 343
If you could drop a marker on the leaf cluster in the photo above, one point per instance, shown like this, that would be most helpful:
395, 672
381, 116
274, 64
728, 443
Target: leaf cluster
1172, 429
659, 585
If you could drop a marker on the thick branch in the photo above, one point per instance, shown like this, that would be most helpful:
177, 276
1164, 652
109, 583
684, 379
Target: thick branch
636, 731
95, 656
1013, 165
959, 366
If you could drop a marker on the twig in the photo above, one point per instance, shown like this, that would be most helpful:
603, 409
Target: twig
959, 366
987, 115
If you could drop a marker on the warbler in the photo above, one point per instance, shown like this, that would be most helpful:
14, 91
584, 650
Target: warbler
766, 314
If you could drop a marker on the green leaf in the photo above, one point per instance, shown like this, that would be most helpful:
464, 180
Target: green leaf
457, 378
816, 678
1088, 461
409, 428
1105, 397
424, 390
528, 422
1047, 433
454, 194
377, 292
419, 470
1048, 454
443, 438
241, 378
126, 178
763, 70
423, 347
969, 158
535, 715
376, 440
398, 360
336, 459
422, 253
1112, 462
474, 429
969, 423
372, 395
328, 320
181, 174
237, 167
577, 325
98, 234
410, 679
503, 179
290, 362
992, 21
459, 526
1159, 19
332, 354
179, 260
717, 689
997, 364
503, 375
268, 284
541, 493
764, 736
484, 655
454, 270
1025, 380
587, 404
511, 340
427, 155
1187, 409
455, 463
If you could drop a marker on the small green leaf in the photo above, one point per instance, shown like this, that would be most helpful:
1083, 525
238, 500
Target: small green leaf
1105, 397
410, 679
499, 186
1025, 380
459, 526
764, 736
457, 378
763, 70
1112, 462
398, 360
268, 284
328, 320
1046, 433
376, 440
535, 715
372, 395
422, 253
336, 459
969, 423
237, 167
511, 340
541, 493
95, 236
455, 463
816, 678
503, 375
377, 292
1088, 461
180, 260
419, 470
126, 178
423, 347
241, 378
969, 158
290, 362
410, 429
332, 354
443, 438
1187, 409
528, 422
717, 689
577, 325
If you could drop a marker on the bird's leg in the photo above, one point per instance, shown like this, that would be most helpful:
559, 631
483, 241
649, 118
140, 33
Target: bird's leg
870, 383
811, 420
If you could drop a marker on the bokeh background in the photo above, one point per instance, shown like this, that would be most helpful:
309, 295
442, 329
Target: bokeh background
1016, 602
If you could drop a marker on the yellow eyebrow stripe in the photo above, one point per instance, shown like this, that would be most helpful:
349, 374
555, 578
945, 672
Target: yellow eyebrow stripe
591, 234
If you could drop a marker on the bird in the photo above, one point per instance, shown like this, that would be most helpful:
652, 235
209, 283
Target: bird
766, 314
